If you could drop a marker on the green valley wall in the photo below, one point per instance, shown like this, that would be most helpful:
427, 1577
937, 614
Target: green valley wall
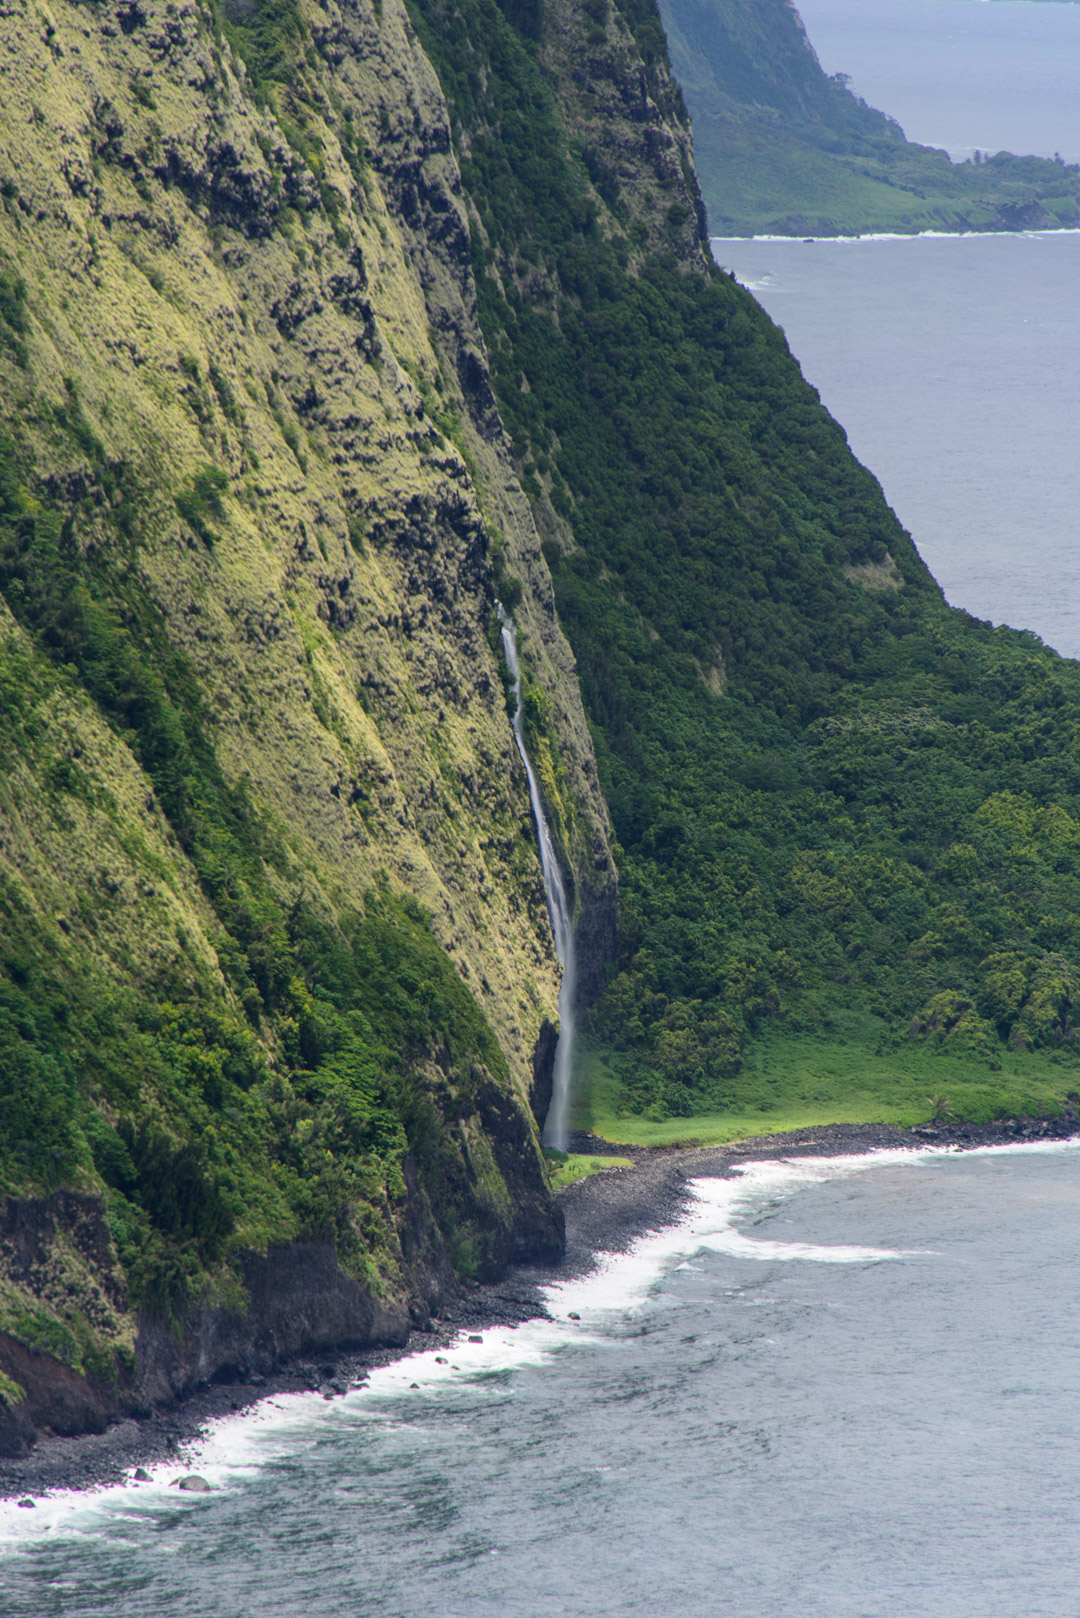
277, 961
846, 817
785, 149
320, 329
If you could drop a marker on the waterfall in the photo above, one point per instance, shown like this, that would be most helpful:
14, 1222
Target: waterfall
555, 1127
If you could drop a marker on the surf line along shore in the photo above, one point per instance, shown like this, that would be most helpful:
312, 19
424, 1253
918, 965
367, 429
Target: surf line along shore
605, 1213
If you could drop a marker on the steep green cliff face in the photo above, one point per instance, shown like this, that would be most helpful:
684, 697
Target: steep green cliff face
845, 814
320, 327
782, 148
276, 958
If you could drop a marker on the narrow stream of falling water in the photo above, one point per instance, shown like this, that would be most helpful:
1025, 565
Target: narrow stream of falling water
555, 1129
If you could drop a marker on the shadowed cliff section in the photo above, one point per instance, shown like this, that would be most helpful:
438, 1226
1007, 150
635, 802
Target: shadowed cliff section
276, 960
782, 148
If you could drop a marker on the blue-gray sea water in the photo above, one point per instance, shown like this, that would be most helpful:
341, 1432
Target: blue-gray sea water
842, 1388
953, 363
961, 74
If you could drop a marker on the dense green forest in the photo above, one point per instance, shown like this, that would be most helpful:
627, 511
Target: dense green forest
837, 801
783, 148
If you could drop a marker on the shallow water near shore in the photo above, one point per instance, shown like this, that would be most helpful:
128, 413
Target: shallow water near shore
839, 1386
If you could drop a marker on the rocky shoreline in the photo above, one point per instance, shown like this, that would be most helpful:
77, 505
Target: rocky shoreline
604, 1213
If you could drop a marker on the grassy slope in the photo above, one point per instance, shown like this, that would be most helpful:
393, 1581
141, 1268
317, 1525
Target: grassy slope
835, 798
782, 148
151, 1075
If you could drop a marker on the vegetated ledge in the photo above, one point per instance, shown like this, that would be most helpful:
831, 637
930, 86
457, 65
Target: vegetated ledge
603, 1213
98, 1360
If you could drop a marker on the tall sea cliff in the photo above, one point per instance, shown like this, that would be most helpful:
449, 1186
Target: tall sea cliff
279, 981
323, 331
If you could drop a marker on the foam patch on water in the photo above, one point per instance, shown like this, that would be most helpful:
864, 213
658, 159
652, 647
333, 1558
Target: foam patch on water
766, 281
721, 1207
230, 1448
622, 1281
906, 236
235, 1447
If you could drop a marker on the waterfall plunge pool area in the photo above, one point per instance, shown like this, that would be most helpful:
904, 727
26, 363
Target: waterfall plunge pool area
840, 1385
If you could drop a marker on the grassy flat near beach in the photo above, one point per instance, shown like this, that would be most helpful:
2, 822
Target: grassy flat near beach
794, 1081
566, 1167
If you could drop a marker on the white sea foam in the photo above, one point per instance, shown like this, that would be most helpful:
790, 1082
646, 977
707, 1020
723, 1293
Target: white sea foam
906, 236
234, 1447
622, 1281
766, 282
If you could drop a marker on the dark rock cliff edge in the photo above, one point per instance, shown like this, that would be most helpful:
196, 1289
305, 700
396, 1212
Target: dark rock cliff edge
297, 1300
315, 1333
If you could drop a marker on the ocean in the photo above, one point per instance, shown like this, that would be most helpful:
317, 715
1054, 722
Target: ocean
953, 363
838, 1387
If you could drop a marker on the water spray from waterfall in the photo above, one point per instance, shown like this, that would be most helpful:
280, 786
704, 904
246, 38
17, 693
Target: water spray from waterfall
555, 1129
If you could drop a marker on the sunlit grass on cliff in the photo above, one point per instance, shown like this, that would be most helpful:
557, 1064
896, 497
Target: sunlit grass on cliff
565, 1168
796, 1081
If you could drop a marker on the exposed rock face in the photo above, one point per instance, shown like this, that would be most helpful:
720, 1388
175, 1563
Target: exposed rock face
620, 98
300, 1302
274, 289
51, 1397
54, 1251
543, 1072
297, 1299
